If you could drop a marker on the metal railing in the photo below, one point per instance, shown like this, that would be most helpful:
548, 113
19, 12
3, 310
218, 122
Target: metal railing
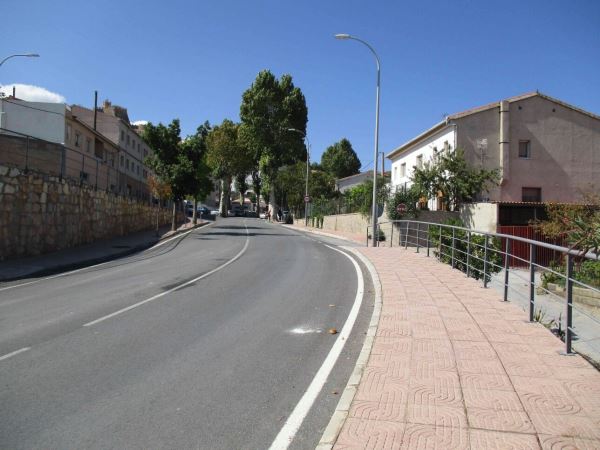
29, 153
489, 257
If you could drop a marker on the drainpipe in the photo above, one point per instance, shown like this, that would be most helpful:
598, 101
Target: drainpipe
504, 142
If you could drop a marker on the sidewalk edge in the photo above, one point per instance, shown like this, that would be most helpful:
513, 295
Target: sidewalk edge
340, 414
322, 233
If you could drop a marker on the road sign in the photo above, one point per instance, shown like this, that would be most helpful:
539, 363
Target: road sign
307, 199
401, 208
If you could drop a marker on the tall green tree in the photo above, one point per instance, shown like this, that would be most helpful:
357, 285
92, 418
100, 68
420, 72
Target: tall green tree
199, 184
167, 161
341, 160
270, 107
227, 157
451, 177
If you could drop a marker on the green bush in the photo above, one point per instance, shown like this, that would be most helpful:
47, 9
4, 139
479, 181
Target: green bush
476, 248
587, 272
380, 235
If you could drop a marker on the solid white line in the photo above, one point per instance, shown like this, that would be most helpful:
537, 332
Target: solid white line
16, 352
95, 265
162, 294
294, 421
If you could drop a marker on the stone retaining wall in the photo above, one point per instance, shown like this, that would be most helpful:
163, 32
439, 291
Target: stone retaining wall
41, 213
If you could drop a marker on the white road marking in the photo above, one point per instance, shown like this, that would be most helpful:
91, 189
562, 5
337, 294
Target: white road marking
95, 265
294, 421
16, 352
162, 294
304, 330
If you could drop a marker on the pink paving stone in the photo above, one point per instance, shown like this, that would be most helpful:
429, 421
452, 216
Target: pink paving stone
492, 399
567, 443
388, 408
417, 437
370, 434
565, 425
500, 420
431, 414
495, 440
497, 382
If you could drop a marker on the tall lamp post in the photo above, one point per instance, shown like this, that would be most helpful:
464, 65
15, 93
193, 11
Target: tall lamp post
26, 55
376, 152
307, 166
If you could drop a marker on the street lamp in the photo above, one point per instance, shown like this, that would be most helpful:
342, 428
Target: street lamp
307, 166
376, 153
27, 55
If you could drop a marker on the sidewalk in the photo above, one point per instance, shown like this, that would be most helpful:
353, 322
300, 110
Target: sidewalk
454, 367
88, 254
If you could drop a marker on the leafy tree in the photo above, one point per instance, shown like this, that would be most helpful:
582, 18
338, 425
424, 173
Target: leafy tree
409, 197
226, 157
340, 159
168, 162
451, 177
360, 198
578, 224
199, 184
269, 108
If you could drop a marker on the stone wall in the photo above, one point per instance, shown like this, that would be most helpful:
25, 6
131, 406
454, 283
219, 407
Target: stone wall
41, 213
351, 223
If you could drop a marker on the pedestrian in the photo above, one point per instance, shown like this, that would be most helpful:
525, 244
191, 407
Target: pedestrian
279, 215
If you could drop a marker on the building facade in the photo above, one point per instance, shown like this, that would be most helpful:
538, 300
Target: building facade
545, 149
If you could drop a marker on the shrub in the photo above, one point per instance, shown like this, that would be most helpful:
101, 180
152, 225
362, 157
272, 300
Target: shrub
476, 248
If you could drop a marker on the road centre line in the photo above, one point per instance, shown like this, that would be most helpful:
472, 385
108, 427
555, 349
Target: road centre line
95, 265
16, 352
162, 294
294, 422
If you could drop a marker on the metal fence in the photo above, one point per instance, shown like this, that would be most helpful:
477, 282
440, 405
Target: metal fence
29, 153
485, 256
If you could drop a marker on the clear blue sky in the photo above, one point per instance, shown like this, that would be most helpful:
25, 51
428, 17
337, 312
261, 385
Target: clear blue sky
193, 60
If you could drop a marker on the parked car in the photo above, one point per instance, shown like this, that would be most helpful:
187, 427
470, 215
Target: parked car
263, 215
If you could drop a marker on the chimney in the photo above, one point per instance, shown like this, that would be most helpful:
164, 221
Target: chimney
504, 142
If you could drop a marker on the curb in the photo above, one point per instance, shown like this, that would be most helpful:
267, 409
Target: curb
322, 233
97, 260
342, 409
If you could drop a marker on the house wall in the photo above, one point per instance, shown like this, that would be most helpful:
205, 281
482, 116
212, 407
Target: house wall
41, 120
426, 149
565, 151
480, 216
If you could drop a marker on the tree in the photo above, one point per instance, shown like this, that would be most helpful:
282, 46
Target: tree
167, 160
270, 107
360, 198
409, 197
449, 176
160, 190
340, 159
199, 184
227, 157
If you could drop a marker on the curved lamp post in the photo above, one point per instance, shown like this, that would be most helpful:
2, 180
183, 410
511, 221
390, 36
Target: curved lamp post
26, 55
376, 152
307, 165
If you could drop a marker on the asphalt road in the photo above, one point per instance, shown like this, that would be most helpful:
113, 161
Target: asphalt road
123, 356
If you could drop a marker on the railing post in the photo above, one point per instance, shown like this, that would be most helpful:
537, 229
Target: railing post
485, 260
506, 268
367, 235
440, 251
531, 282
569, 311
418, 235
468, 254
377, 228
392, 236
453, 245
406, 236
428, 226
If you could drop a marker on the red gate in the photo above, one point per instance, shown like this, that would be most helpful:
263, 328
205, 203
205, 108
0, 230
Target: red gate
520, 250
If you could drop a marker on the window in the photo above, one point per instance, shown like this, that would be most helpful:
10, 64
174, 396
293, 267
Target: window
531, 194
77, 136
122, 160
127, 139
122, 135
395, 173
145, 153
446, 146
127, 164
419, 161
524, 149
88, 145
402, 170
435, 153
68, 133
